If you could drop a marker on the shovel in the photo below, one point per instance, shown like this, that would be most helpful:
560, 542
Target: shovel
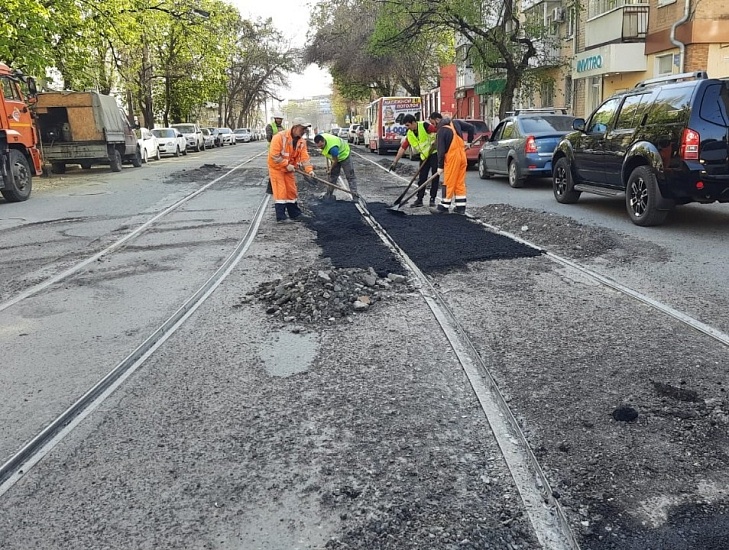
337, 187
395, 209
397, 200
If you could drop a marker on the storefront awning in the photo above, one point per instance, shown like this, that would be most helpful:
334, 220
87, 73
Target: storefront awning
490, 87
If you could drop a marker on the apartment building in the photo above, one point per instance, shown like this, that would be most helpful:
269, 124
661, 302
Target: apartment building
608, 46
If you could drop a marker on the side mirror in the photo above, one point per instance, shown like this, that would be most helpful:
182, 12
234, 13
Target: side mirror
578, 124
32, 88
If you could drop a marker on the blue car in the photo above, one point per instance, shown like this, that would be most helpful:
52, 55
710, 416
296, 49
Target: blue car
522, 144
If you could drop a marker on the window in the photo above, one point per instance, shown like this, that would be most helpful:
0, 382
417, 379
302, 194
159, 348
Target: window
9, 91
601, 118
568, 92
547, 94
546, 124
664, 64
632, 111
509, 131
715, 104
671, 105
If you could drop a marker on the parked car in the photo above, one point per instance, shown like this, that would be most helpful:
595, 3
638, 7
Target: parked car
193, 135
352, 132
227, 136
521, 146
660, 144
217, 138
208, 138
480, 135
243, 134
359, 136
343, 133
148, 145
170, 141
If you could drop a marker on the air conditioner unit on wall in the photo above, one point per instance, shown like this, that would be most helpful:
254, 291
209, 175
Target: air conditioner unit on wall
558, 14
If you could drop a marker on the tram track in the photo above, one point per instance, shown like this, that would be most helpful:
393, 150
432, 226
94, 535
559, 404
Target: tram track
545, 512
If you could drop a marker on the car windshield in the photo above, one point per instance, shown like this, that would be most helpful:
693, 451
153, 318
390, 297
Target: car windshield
164, 132
185, 128
547, 123
242, 131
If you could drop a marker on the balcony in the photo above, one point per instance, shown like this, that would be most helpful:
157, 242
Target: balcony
465, 77
613, 21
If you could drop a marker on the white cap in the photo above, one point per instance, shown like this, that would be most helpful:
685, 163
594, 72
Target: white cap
277, 114
300, 121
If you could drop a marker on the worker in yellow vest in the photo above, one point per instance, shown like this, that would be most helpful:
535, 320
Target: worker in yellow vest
421, 137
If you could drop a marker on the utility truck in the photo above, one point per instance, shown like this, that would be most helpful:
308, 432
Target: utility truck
85, 128
20, 158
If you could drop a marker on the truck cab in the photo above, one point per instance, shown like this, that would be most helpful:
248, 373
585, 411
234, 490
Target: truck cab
19, 154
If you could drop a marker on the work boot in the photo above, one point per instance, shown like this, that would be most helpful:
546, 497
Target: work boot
418, 202
460, 210
432, 202
439, 210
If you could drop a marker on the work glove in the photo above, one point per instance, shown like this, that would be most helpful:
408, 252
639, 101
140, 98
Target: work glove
290, 167
440, 171
392, 167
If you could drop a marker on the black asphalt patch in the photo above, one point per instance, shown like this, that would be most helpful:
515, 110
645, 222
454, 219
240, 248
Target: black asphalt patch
444, 242
347, 240
436, 243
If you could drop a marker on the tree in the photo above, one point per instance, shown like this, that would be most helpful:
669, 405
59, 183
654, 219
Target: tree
501, 42
344, 39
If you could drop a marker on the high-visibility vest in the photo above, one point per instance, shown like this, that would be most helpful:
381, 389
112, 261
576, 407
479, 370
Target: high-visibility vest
330, 140
274, 130
422, 142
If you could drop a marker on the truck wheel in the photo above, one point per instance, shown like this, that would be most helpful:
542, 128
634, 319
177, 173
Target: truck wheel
58, 167
137, 159
115, 160
19, 191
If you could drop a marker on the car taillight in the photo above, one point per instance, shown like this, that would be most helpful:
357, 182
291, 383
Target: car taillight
531, 145
690, 144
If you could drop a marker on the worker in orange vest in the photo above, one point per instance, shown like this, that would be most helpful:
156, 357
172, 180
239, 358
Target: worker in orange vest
287, 153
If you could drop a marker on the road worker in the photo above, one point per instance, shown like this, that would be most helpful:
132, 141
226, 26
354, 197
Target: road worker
336, 150
273, 128
421, 137
452, 165
286, 153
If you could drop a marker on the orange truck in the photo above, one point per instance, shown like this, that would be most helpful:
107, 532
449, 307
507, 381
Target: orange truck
20, 157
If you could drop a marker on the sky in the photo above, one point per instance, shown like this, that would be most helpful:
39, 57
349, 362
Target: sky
292, 20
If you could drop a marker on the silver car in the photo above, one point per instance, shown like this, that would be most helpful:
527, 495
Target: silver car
227, 136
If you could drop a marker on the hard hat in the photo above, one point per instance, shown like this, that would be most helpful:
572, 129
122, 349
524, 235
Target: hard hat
300, 121
277, 114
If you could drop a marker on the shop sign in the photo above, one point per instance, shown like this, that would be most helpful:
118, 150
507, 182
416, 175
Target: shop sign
589, 63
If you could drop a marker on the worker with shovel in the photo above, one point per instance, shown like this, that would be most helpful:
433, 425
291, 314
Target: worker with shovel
275, 126
421, 137
452, 164
287, 152
336, 150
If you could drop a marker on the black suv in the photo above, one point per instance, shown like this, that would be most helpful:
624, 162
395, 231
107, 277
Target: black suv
663, 143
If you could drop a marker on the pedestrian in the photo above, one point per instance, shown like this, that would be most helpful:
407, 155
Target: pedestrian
273, 128
287, 152
421, 137
452, 162
336, 150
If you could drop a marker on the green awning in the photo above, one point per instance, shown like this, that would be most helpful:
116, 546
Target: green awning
490, 87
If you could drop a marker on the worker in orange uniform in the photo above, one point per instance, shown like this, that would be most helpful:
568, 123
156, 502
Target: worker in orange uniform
287, 153
452, 165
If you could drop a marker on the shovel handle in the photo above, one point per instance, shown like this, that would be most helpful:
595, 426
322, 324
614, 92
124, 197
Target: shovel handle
421, 186
355, 195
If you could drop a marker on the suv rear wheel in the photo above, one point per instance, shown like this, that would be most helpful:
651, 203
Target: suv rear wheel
562, 184
642, 198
